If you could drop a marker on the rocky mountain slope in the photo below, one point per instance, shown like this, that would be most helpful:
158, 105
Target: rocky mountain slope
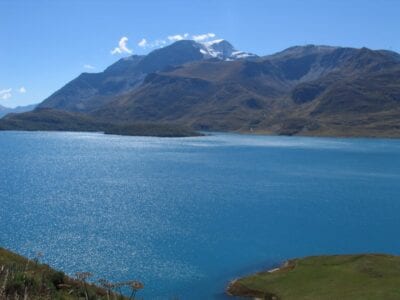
302, 90
92, 90
309, 90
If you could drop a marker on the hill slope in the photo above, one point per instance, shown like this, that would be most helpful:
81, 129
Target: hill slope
91, 90
345, 277
58, 120
28, 279
313, 90
303, 90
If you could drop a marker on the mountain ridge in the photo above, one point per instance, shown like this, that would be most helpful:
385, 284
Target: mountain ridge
309, 90
19, 109
88, 89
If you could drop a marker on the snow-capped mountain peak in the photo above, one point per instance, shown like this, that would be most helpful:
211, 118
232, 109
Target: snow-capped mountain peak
223, 50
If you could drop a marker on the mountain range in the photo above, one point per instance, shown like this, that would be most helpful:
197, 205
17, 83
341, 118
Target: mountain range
19, 109
302, 90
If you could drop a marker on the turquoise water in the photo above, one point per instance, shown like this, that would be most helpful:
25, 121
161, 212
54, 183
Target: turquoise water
187, 215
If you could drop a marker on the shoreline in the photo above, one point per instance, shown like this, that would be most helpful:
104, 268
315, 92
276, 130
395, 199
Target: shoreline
197, 134
236, 289
324, 277
181, 131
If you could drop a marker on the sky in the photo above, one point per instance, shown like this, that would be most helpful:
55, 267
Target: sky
46, 43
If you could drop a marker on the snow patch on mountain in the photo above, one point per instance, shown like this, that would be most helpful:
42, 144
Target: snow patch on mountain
223, 50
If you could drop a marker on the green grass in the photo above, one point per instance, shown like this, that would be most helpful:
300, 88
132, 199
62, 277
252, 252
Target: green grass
342, 277
53, 120
21, 277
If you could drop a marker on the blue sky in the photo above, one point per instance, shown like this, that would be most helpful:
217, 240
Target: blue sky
45, 44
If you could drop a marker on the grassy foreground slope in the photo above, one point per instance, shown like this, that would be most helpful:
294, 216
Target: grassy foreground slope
344, 277
21, 278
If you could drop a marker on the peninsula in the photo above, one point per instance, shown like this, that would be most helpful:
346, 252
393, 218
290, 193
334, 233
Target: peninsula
345, 277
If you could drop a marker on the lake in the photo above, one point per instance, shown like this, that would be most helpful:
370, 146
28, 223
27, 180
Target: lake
187, 215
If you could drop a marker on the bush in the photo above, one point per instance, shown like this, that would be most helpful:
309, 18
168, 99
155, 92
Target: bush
56, 278
18, 284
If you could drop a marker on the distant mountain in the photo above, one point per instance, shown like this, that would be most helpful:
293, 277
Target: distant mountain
302, 90
89, 91
19, 109
223, 50
306, 90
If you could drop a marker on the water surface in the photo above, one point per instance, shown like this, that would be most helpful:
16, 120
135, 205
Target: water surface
186, 215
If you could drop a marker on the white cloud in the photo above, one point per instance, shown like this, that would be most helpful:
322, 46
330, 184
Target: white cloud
5, 94
143, 43
122, 47
178, 37
88, 67
146, 44
116, 50
158, 43
203, 37
22, 90
5, 91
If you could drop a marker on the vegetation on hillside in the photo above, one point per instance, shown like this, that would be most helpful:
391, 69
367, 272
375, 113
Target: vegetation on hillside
344, 277
303, 90
21, 278
55, 120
